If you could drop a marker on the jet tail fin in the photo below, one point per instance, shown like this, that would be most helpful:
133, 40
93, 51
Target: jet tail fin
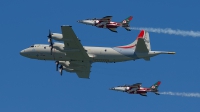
155, 86
144, 43
125, 23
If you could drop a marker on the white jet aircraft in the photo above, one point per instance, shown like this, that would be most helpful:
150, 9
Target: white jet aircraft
73, 57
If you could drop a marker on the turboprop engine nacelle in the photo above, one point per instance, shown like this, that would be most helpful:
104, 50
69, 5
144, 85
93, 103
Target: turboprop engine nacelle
69, 69
59, 46
64, 63
57, 36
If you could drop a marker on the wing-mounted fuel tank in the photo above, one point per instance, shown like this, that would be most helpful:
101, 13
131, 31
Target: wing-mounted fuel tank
64, 63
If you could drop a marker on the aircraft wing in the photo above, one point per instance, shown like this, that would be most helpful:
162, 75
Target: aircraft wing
106, 19
82, 69
73, 47
80, 62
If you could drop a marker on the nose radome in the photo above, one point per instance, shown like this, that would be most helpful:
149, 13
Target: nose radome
22, 52
112, 88
80, 21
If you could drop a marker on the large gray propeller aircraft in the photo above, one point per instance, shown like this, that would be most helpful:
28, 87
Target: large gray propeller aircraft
73, 57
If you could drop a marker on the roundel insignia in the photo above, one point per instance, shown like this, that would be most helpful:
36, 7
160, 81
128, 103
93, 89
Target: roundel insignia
124, 21
153, 87
97, 21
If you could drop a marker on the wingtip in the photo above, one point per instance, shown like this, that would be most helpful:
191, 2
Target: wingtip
66, 25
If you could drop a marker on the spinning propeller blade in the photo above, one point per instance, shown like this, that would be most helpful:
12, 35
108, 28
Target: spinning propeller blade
50, 40
57, 64
61, 69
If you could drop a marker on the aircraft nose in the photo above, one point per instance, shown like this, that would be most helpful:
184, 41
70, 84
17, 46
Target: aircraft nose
22, 52
79, 21
112, 88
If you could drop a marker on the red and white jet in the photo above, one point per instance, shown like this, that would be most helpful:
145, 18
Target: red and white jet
137, 89
106, 22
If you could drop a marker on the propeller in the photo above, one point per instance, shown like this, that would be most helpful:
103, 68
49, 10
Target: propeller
61, 69
57, 63
50, 40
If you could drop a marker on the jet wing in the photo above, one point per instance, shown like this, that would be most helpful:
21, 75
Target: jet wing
73, 47
112, 29
106, 19
143, 94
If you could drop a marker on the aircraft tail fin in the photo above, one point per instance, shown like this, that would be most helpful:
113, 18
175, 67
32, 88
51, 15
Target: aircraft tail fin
155, 86
125, 23
142, 42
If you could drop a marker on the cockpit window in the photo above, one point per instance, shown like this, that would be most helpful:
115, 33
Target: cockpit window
92, 19
32, 46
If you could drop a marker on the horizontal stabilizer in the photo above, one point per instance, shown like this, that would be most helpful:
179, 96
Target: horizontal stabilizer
157, 93
128, 29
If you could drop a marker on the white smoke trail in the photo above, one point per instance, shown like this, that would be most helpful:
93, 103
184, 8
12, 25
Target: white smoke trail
169, 31
183, 94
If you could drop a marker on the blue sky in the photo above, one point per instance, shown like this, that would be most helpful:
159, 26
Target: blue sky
35, 86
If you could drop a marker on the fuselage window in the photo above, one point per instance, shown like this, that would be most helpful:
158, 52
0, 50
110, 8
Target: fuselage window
32, 46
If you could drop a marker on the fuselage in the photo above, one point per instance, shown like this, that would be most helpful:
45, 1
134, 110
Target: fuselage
133, 90
100, 24
96, 54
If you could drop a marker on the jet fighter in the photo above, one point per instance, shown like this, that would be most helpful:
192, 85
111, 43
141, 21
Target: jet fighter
137, 89
106, 22
73, 57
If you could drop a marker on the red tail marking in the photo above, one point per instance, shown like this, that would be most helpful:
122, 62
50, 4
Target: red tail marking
159, 82
141, 35
130, 18
126, 47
